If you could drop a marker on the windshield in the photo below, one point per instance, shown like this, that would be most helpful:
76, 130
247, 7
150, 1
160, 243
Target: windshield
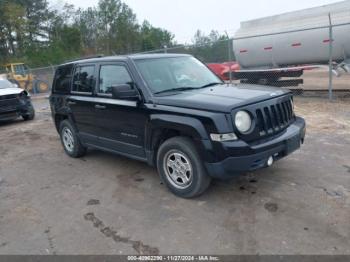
20, 69
5, 84
166, 74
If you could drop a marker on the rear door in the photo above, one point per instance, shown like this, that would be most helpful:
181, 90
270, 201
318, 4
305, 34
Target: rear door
81, 102
121, 123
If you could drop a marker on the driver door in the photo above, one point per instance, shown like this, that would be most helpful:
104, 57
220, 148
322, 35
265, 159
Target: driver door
121, 123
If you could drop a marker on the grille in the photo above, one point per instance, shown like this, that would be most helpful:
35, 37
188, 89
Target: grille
274, 118
9, 104
7, 109
7, 97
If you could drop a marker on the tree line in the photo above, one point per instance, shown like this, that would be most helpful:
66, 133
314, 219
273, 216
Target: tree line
34, 33
211, 48
31, 31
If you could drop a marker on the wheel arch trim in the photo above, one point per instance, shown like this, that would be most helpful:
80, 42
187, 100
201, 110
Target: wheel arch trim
185, 126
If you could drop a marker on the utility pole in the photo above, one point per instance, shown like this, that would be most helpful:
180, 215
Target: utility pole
330, 87
229, 56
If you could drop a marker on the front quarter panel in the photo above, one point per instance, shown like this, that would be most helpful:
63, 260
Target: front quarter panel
196, 124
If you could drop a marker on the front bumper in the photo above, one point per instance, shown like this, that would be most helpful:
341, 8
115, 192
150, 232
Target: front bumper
279, 147
17, 108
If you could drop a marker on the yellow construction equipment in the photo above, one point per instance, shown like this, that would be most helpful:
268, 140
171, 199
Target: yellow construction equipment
20, 74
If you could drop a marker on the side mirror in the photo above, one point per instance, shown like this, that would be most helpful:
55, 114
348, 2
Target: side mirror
124, 92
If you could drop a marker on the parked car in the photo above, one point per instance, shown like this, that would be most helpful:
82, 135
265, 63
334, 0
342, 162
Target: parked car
14, 102
171, 111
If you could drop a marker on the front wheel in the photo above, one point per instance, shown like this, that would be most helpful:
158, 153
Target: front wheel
181, 168
30, 114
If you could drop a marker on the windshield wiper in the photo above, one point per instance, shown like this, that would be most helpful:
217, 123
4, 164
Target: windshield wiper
186, 88
176, 89
212, 84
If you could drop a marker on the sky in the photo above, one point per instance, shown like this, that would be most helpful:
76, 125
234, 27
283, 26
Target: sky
184, 17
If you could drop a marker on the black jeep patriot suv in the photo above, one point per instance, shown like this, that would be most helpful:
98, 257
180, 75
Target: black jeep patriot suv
172, 112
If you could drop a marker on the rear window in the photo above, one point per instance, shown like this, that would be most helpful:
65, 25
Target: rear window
84, 79
63, 79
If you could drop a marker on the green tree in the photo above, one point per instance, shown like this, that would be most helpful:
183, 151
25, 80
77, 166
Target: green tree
12, 26
37, 16
155, 38
31, 32
87, 22
211, 48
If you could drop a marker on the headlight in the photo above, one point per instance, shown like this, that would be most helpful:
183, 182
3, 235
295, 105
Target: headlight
223, 137
24, 94
243, 121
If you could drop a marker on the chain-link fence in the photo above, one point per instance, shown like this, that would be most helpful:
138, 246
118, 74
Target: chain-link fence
309, 55
43, 78
310, 60
303, 79
35, 80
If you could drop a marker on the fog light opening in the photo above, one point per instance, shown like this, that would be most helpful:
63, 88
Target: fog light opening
270, 161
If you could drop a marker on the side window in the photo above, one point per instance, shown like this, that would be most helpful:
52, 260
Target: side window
84, 79
111, 75
63, 79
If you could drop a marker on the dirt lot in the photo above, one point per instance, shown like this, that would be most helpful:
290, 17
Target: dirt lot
106, 204
318, 80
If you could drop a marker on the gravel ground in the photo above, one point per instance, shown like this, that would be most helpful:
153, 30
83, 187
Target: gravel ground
107, 204
318, 79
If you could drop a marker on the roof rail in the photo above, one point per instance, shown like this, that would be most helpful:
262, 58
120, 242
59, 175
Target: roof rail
85, 57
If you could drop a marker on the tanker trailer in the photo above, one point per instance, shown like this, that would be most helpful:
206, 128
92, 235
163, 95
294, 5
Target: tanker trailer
285, 45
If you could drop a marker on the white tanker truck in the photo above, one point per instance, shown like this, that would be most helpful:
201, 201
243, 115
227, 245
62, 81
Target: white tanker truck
285, 45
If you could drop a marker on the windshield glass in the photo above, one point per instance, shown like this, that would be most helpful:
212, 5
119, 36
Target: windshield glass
21, 69
166, 74
5, 84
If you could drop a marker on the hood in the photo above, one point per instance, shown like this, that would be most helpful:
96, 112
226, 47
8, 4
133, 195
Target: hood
221, 98
10, 91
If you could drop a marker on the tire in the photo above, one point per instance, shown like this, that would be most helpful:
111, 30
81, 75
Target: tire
41, 86
70, 141
30, 115
181, 168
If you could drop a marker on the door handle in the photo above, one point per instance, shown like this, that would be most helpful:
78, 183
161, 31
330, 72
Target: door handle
100, 107
72, 103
